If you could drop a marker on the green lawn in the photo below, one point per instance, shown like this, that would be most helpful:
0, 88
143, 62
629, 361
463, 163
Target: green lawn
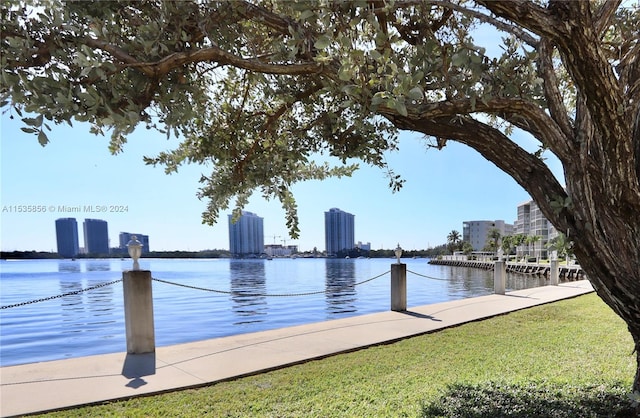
570, 358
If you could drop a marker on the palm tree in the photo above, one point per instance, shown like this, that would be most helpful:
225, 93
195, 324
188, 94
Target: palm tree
466, 247
518, 240
562, 245
531, 240
493, 238
507, 244
453, 239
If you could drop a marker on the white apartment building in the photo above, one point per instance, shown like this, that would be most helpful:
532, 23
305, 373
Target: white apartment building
477, 232
277, 250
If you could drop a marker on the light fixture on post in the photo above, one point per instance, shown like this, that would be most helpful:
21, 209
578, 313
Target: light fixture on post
398, 252
135, 251
398, 283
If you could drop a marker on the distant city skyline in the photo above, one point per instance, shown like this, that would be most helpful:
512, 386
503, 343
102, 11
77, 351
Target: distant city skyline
75, 176
95, 236
246, 235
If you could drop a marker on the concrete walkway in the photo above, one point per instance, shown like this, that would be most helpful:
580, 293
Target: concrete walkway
66, 383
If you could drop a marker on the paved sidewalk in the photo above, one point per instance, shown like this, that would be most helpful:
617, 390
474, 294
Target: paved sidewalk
66, 383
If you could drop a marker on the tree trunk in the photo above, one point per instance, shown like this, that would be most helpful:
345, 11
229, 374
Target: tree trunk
603, 224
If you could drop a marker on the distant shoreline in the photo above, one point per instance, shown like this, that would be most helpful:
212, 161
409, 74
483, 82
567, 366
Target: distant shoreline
34, 255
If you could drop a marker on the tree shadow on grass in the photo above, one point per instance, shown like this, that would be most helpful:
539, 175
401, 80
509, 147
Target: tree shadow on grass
493, 400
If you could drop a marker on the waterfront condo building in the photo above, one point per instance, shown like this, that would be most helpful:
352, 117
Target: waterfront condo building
476, 233
67, 237
531, 222
339, 231
246, 235
96, 236
125, 237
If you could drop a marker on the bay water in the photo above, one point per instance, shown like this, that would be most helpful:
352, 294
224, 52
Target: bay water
206, 298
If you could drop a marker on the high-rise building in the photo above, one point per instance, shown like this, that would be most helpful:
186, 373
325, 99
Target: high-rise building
339, 231
246, 235
531, 222
67, 237
96, 236
125, 237
476, 233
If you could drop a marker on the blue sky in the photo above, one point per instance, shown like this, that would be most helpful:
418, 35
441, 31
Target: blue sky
442, 189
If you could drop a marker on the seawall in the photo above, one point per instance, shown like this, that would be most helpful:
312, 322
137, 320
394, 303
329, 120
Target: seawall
573, 272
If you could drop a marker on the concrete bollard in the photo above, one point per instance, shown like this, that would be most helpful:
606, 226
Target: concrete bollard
399, 287
554, 272
500, 277
138, 311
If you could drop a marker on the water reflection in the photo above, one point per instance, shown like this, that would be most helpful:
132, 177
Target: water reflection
340, 285
101, 301
69, 267
71, 305
517, 281
471, 282
248, 286
98, 265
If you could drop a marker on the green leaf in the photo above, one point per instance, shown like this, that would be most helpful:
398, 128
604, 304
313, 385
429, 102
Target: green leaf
322, 42
415, 93
345, 74
375, 54
459, 58
476, 59
378, 98
31, 121
401, 108
42, 138
306, 14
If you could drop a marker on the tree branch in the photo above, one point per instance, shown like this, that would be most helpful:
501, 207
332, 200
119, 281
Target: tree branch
254, 12
552, 92
604, 14
121, 55
528, 15
525, 168
212, 54
272, 118
538, 122
630, 73
569, 25
503, 26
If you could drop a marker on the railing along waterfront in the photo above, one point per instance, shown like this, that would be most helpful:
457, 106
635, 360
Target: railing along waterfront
332, 289
211, 290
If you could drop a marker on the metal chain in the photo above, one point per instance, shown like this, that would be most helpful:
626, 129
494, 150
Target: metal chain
262, 294
75, 292
428, 277
189, 286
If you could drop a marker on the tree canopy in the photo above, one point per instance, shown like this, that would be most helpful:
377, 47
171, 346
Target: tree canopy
256, 89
